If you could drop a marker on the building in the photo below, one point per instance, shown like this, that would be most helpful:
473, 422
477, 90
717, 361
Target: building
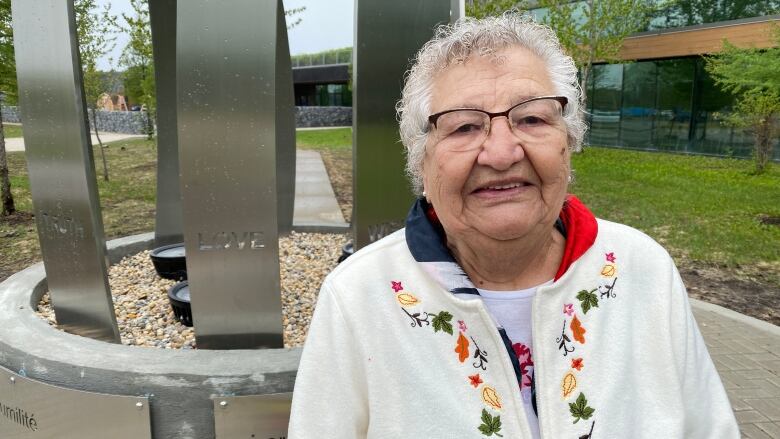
663, 99
322, 79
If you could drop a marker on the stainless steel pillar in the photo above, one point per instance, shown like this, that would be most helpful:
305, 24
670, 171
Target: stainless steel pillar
61, 167
387, 35
168, 222
457, 10
285, 127
227, 109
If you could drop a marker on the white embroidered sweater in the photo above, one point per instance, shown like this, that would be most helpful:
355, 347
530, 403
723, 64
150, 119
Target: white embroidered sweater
392, 354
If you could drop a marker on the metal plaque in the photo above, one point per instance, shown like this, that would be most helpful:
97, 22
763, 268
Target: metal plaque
31, 409
61, 167
226, 87
381, 194
258, 416
285, 127
168, 222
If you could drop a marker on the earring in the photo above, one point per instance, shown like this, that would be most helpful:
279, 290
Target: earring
425, 195
569, 178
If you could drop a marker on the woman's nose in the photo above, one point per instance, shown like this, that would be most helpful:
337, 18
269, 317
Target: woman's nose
501, 148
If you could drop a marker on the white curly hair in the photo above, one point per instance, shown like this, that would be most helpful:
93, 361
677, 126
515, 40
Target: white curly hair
453, 44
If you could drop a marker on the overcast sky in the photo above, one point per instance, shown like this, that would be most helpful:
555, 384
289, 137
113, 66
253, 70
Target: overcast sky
326, 24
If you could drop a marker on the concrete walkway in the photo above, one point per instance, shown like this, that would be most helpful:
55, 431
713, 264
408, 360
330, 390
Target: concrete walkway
14, 144
746, 352
316, 208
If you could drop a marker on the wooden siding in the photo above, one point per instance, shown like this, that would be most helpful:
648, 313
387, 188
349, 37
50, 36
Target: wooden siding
698, 41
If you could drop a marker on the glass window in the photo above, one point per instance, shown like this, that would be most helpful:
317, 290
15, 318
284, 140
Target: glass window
675, 90
604, 116
692, 12
638, 109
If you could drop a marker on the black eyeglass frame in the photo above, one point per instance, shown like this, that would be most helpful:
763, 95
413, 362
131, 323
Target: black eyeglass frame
563, 100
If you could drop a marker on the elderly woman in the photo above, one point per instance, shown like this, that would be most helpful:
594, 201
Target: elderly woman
504, 308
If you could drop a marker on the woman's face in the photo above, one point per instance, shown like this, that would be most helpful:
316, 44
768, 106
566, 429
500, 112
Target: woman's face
511, 186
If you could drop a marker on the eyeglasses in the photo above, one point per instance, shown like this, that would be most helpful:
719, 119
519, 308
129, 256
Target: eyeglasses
463, 129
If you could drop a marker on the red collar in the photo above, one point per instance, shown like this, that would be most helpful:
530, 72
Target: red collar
581, 230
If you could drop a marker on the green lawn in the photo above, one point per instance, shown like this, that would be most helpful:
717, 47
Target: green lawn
701, 208
12, 130
331, 139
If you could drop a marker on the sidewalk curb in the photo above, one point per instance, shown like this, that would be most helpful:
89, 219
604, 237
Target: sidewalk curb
727, 313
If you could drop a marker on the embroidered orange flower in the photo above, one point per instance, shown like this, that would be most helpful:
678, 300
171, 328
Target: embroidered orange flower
462, 348
577, 330
576, 363
475, 380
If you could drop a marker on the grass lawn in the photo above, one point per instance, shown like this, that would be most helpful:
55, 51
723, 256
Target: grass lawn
12, 130
702, 209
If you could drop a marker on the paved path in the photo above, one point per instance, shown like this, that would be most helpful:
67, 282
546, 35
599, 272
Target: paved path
13, 144
316, 208
746, 352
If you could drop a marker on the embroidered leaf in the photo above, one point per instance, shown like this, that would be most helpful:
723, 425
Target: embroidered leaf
580, 410
608, 270
462, 347
588, 300
577, 330
441, 322
406, 299
475, 380
490, 397
490, 424
569, 384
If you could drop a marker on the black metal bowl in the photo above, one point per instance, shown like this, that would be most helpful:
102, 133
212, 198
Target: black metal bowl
170, 261
346, 252
179, 296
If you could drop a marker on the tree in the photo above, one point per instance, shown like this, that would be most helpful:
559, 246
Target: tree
7, 58
594, 30
750, 75
95, 41
492, 8
138, 59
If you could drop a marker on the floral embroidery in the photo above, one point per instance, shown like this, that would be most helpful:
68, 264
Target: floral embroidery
580, 409
588, 300
568, 309
417, 320
475, 380
462, 326
576, 363
523, 354
396, 286
490, 424
568, 384
490, 397
441, 322
577, 330
607, 292
480, 355
563, 339
406, 299
462, 349
610, 256
608, 270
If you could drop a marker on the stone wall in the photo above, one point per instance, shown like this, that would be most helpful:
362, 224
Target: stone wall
126, 122
134, 122
11, 114
323, 116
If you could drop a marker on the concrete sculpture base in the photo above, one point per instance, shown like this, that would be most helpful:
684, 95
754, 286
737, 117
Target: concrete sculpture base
178, 383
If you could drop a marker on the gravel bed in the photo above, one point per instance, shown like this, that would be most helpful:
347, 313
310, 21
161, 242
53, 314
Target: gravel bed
144, 315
